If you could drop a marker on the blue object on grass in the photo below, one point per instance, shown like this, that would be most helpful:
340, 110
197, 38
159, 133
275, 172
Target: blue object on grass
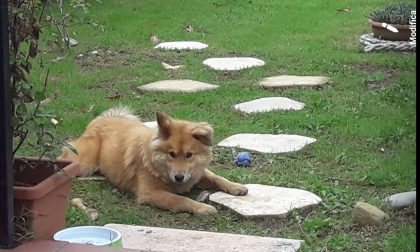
243, 159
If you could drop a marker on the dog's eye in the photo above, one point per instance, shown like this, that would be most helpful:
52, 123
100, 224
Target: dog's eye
188, 155
172, 154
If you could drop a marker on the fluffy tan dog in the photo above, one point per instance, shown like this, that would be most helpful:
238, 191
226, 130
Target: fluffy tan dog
154, 164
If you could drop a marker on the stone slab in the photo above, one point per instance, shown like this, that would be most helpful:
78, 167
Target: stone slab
264, 200
62, 246
181, 45
293, 80
269, 104
182, 86
177, 240
232, 64
267, 143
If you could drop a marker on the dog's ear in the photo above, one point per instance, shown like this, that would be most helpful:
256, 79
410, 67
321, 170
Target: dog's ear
164, 123
203, 132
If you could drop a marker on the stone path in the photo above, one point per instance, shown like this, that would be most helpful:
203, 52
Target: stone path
179, 240
181, 45
261, 200
232, 64
293, 80
264, 200
183, 86
269, 104
267, 143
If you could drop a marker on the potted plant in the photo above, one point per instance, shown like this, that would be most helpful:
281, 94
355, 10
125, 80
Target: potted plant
41, 185
392, 22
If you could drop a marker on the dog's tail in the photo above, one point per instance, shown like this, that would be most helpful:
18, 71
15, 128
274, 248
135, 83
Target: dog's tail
121, 112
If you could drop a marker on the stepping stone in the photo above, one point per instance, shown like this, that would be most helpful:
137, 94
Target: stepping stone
181, 45
183, 86
267, 143
293, 80
151, 124
269, 104
231, 64
403, 199
264, 200
176, 240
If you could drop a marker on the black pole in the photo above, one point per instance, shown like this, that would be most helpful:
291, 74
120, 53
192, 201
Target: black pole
6, 156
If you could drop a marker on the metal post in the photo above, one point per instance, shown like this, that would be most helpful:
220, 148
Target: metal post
6, 156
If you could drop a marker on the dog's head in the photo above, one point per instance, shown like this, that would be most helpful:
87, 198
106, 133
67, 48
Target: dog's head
182, 149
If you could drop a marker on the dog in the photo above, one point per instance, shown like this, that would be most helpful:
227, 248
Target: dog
157, 165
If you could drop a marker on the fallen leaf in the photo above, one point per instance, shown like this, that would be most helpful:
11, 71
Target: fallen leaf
115, 96
59, 58
169, 67
90, 108
343, 10
46, 101
189, 28
154, 39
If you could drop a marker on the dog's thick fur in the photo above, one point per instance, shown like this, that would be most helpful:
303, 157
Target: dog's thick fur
154, 164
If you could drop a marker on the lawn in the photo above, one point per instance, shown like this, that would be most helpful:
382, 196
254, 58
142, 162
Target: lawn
364, 120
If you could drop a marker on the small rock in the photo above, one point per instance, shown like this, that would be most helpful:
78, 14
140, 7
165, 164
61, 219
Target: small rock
403, 199
92, 214
79, 56
154, 39
94, 52
203, 197
54, 121
72, 42
367, 214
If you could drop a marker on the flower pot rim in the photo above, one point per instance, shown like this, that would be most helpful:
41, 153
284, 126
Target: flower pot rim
39, 190
379, 24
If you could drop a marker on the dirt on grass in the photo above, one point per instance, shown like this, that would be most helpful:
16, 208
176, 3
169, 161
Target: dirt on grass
372, 84
105, 58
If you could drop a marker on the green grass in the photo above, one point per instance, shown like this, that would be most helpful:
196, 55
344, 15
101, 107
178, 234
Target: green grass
366, 136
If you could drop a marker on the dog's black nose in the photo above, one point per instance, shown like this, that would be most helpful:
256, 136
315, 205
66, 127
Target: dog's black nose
179, 177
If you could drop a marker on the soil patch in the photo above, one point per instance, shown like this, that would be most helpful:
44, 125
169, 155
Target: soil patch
376, 84
94, 60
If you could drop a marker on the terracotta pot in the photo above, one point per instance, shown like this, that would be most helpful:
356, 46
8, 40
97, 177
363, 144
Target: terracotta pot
42, 192
403, 33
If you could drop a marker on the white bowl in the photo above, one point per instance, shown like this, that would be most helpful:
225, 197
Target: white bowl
95, 235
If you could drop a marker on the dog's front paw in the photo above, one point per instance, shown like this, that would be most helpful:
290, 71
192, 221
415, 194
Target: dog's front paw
204, 209
237, 190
